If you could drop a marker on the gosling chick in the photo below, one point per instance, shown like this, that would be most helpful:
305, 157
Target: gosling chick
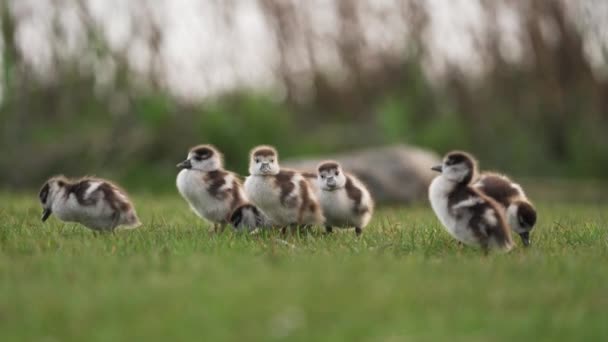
520, 213
346, 202
95, 203
284, 196
212, 192
468, 215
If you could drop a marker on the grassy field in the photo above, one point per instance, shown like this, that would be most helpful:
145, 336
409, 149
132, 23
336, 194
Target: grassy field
405, 279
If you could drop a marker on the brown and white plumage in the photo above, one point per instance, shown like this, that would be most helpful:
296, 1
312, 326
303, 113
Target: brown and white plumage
520, 213
468, 215
248, 217
284, 196
345, 200
212, 192
93, 202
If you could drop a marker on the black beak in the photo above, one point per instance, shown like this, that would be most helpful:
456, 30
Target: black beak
45, 214
185, 164
437, 168
525, 238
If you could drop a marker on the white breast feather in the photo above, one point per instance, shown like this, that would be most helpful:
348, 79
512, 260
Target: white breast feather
490, 217
263, 192
191, 185
458, 227
93, 186
469, 202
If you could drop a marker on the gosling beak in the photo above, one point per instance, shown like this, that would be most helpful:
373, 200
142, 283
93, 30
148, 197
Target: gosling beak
45, 214
525, 238
185, 164
437, 168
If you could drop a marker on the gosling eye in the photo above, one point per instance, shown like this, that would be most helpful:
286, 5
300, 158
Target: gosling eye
322, 176
197, 158
257, 160
272, 160
337, 172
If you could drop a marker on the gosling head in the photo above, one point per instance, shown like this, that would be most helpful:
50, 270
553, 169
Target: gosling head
49, 192
524, 220
204, 158
459, 167
264, 161
330, 176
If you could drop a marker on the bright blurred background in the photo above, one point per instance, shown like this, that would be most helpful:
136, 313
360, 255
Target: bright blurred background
122, 89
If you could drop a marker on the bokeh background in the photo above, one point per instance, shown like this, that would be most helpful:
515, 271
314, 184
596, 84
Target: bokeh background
122, 89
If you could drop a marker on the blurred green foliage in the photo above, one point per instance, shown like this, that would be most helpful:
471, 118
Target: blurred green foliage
141, 149
547, 117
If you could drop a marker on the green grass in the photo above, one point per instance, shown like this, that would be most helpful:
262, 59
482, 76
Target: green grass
405, 279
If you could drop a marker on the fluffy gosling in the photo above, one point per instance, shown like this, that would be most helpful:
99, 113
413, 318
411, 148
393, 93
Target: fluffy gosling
212, 192
346, 202
93, 202
468, 215
284, 196
520, 213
